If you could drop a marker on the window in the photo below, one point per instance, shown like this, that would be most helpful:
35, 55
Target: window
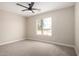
44, 26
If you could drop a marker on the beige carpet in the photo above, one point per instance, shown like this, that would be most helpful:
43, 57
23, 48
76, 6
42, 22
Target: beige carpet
34, 48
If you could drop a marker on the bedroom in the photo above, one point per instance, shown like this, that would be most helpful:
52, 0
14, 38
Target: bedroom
39, 28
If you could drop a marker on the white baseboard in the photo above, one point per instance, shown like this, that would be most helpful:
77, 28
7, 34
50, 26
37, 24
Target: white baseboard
63, 44
57, 43
76, 50
8, 42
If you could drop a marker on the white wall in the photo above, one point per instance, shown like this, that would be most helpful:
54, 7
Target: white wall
77, 28
12, 27
63, 26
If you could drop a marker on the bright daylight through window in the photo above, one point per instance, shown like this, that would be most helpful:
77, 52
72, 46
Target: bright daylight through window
44, 26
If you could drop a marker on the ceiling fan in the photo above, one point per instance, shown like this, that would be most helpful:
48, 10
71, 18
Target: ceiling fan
30, 8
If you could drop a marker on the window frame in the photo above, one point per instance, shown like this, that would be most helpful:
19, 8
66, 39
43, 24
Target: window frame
42, 30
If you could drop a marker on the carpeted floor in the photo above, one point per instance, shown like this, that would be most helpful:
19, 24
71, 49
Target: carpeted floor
34, 48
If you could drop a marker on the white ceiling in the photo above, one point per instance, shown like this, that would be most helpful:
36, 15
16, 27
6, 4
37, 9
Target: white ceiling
43, 6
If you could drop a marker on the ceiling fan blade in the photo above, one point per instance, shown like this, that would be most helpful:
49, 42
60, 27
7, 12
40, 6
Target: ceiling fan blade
32, 11
21, 5
32, 3
25, 10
